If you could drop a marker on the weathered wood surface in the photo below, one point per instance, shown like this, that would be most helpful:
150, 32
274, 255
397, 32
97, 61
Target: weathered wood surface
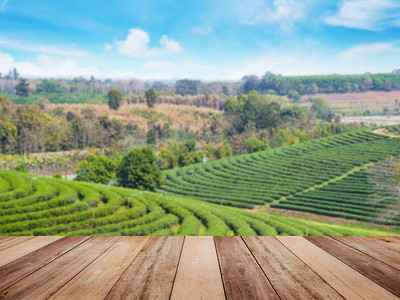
199, 268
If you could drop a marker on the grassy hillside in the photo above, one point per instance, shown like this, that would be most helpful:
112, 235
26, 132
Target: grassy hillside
283, 176
45, 206
368, 194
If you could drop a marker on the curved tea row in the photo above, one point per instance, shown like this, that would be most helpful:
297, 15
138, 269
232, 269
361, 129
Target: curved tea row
267, 176
45, 206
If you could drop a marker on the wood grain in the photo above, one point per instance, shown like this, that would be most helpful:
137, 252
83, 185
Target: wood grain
29, 263
242, 277
382, 274
291, 278
387, 241
47, 280
21, 249
13, 240
377, 251
344, 279
98, 278
151, 275
198, 275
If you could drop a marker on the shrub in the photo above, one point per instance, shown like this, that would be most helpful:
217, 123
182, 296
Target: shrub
138, 170
98, 169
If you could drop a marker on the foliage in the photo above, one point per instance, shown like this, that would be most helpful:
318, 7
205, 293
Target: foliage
294, 86
49, 87
114, 98
151, 97
22, 88
97, 169
175, 155
61, 207
252, 144
321, 109
252, 108
251, 179
57, 176
138, 170
21, 168
217, 152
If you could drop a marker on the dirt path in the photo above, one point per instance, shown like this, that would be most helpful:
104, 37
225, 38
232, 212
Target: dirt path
384, 131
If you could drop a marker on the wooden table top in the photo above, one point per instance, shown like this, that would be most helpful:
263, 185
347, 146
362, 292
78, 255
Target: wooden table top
116, 267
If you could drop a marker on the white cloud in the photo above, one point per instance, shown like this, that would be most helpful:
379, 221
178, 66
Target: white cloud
46, 66
108, 47
6, 63
363, 51
157, 64
39, 48
3, 5
366, 14
283, 12
170, 45
137, 45
202, 30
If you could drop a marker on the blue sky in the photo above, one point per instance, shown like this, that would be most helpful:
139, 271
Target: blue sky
200, 39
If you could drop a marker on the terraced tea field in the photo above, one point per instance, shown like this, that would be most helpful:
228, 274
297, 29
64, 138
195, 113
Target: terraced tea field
363, 195
266, 176
45, 206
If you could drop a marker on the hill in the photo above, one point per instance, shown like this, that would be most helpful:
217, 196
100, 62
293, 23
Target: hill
288, 176
46, 206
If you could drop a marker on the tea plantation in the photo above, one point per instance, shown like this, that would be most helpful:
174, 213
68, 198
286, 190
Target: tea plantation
45, 206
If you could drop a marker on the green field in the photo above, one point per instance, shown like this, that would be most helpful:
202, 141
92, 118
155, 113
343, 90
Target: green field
362, 195
44, 206
275, 175
330, 176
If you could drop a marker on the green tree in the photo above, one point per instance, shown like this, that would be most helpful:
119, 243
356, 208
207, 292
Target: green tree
151, 137
114, 99
321, 109
175, 155
98, 169
151, 97
138, 170
22, 88
49, 86
252, 144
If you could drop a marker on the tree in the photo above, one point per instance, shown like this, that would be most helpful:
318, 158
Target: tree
186, 86
176, 154
22, 88
15, 74
321, 109
98, 169
151, 138
251, 83
252, 144
138, 170
49, 86
114, 99
151, 97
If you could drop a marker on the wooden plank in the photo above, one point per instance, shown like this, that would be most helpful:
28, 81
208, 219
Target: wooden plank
98, 278
198, 275
13, 240
242, 277
12, 253
22, 267
387, 241
369, 247
290, 277
47, 280
152, 273
6, 238
382, 274
344, 279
